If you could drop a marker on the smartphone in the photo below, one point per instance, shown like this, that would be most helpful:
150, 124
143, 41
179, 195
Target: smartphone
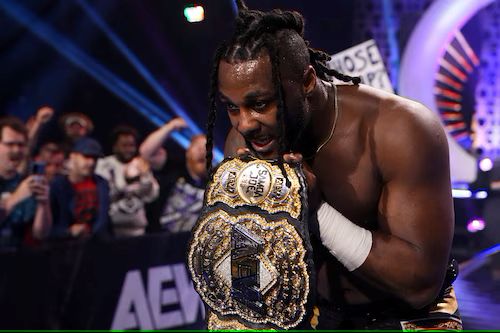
37, 168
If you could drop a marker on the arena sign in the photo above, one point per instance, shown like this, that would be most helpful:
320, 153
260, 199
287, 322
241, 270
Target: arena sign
363, 60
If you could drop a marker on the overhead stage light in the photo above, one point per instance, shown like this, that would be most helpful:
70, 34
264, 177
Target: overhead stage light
486, 164
194, 13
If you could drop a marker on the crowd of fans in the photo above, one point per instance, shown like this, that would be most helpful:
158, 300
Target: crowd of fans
69, 189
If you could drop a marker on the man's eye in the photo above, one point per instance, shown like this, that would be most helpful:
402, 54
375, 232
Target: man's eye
231, 107
259, 106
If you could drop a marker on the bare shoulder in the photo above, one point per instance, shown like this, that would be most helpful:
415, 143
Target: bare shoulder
390, 115
234, 141
408, 135
411, 136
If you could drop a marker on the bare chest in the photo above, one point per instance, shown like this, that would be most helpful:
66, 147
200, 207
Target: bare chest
349, 181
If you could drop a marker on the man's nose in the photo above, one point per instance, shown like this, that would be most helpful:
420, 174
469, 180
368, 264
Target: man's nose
91, 161
17, 148
247, 122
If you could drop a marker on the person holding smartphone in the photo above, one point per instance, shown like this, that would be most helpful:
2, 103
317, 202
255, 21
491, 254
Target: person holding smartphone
25, 215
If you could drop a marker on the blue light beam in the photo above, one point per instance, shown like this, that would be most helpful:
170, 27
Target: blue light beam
234, 7
112, 82
137, 64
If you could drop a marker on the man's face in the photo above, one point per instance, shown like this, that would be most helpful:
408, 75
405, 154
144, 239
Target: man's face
13, 149
125, 148
81, 165
196, 156
46, 151
248, 91
76, 130
54, 159
55, 165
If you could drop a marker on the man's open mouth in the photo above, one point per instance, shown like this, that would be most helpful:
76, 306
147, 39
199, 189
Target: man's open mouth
262, 145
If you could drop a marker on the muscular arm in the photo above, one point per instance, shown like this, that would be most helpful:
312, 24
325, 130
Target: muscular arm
410, 249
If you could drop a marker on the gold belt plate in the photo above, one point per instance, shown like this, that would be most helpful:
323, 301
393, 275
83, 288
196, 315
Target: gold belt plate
237, 183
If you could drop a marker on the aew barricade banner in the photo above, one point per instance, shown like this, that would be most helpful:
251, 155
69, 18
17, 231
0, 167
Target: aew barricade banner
135, 283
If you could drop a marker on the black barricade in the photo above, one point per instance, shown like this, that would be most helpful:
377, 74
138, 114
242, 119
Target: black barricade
133, 283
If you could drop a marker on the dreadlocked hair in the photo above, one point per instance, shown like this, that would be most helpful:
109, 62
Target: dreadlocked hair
282, 135
212, 114
319, 60
275, 32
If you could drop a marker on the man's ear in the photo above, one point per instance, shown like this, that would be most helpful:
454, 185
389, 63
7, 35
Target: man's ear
309, 80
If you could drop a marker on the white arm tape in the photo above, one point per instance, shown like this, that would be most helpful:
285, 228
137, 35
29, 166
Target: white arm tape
348, 242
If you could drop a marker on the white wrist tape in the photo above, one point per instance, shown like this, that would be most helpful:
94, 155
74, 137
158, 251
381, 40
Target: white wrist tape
348, 242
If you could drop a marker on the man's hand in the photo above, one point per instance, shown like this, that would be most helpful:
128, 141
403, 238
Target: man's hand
79, 230
23, 190
34, 123
39, 188
34, 185
137, 167
314, 194
44, 114
243, 152
142, 165
177, 123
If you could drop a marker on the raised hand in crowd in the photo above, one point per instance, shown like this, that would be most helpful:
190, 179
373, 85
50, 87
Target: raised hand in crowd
44, 114
34, 124
151, 149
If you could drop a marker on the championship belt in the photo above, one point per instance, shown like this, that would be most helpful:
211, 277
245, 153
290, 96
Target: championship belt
250, 256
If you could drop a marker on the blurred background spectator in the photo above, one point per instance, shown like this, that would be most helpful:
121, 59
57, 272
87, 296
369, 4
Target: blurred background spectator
181, 188
80, 199
53, 156
25, 214
131, 183
74, 125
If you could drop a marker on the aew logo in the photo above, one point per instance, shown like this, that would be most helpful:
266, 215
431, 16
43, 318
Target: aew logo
168, 300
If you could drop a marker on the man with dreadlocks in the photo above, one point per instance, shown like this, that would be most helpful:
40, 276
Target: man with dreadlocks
377, 168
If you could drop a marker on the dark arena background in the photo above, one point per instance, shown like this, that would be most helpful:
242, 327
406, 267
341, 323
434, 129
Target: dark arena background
142, 62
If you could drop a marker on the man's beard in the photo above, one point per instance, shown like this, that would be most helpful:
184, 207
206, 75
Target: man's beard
293, 134
294, 129
124, 158
16, 157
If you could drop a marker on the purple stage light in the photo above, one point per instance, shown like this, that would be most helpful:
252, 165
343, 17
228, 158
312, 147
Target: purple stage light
476, 224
